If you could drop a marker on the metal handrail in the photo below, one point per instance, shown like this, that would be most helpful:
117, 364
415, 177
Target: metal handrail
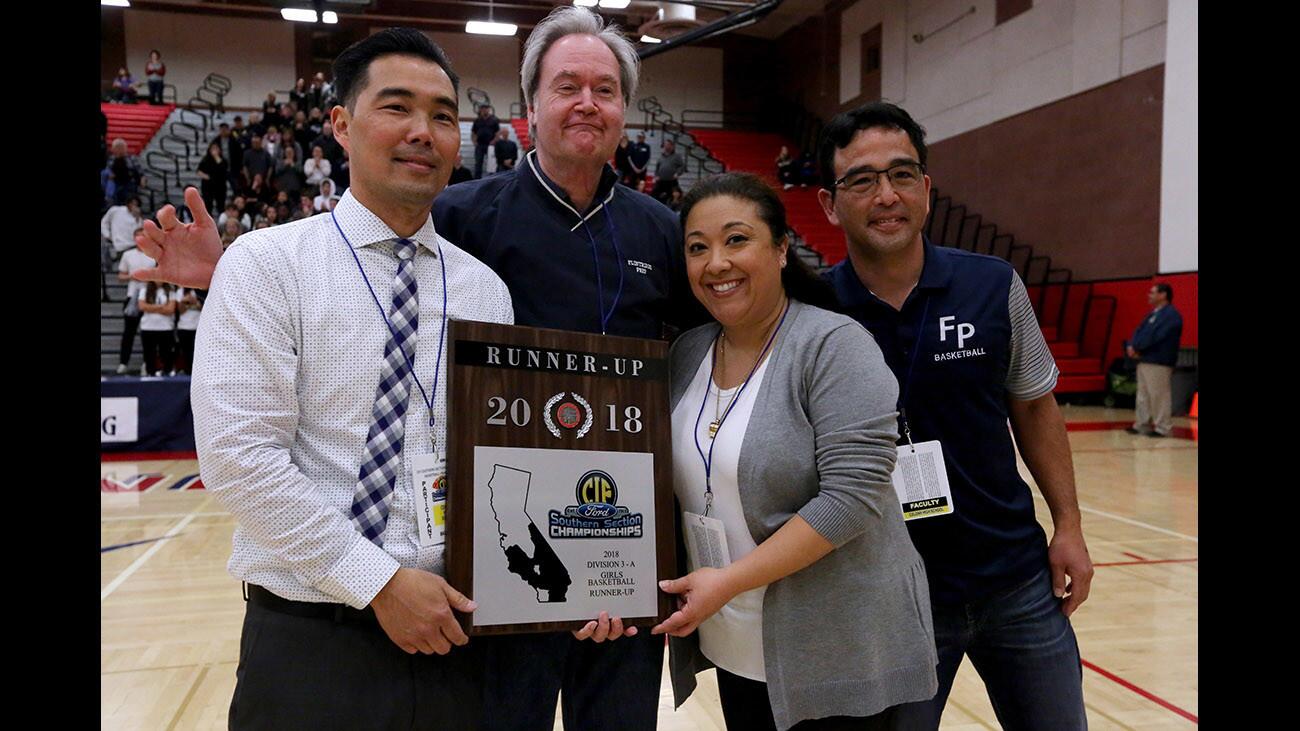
718, 119
477, 98
218, 82
516, 110
203, 122
217, 102
185, 125
185, 143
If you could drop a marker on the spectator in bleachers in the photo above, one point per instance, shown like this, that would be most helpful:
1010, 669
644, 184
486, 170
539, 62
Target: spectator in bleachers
671, 164
232, 214
256, 126
188, 307
675, 199
285, 118
270, 216
259, 190
271, 140
230, 230
132, 259
325, 140
154, 70
213, 173
483, 132
785, 168
157, 319
118, 225
124, 173
124, 85
460, 173
288, 172
305, 209
241, 133
257, 161
231, 150
623, 160
315, 124
638, 156
342, 173
327, 197
321, 92
289, 138
316, 169
299, 93
299, 126
806, 169
270, 109
506, 150
263, 223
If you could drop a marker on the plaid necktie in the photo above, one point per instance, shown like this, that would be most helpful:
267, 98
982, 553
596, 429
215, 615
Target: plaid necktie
378, 476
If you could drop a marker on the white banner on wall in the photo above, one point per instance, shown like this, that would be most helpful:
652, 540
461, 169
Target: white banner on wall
119, 419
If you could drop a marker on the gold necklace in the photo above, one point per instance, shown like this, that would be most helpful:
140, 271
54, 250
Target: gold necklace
717, 407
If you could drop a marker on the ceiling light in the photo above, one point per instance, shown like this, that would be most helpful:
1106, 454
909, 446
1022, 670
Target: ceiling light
329, 16
127, 3
483, 27
650, 39
585, 3
615, 4
302, 15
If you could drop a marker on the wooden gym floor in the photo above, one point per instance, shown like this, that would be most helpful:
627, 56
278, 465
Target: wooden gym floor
170, 615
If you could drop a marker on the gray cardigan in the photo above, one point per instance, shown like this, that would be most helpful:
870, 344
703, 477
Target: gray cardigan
851, 634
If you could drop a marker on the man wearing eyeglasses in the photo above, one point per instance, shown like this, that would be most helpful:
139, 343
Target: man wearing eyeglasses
960, 335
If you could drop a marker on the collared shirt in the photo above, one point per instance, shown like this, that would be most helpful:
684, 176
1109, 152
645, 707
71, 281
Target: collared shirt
287, 363
1157, 336
118, 225
979, 344
621, 257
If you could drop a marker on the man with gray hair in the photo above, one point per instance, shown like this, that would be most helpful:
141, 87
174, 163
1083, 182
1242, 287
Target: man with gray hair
543, 226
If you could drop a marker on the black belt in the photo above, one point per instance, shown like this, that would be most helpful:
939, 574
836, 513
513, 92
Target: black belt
263, 598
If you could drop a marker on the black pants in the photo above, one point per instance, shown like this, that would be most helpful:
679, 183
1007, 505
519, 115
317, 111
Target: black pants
607, 685
321, 673
214, 196
157, 350
480, 154
185, 358
156, 92
663, 189
745, 707
130, 323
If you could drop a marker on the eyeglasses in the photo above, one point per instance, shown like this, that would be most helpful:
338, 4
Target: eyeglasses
902, 176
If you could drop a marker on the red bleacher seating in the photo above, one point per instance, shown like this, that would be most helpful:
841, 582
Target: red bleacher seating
135, 123
520, 125
755, 152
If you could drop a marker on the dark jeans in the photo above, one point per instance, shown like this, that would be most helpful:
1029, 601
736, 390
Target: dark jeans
214, 196
1024, 649
129, 326
319, 673
155, 92
746, 707
663, 189
185, 358
480, 153
610, 685
157, 350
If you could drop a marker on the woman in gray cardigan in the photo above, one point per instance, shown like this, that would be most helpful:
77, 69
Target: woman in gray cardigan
804, 589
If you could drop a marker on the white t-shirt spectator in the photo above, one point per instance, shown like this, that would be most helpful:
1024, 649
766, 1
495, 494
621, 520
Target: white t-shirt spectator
244, 221
135, 259
189, 319
153, 321
118, 225
316, 170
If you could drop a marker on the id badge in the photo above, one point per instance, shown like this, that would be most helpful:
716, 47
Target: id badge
921, 481
429, 481
706, 541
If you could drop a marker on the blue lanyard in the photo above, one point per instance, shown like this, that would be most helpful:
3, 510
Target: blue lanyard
907, 382
442, 332
708, 461
600, 286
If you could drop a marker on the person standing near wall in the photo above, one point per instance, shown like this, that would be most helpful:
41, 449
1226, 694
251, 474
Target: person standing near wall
1155, 346
154, 71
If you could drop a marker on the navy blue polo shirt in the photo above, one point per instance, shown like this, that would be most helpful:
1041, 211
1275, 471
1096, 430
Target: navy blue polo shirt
1156, 337
620, 262
955, 326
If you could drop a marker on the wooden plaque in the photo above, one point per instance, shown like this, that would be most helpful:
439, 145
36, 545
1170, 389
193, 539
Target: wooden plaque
559, 464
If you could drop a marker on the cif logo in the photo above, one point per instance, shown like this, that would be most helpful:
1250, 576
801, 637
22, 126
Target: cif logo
568, 413
597, 494
964, 330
